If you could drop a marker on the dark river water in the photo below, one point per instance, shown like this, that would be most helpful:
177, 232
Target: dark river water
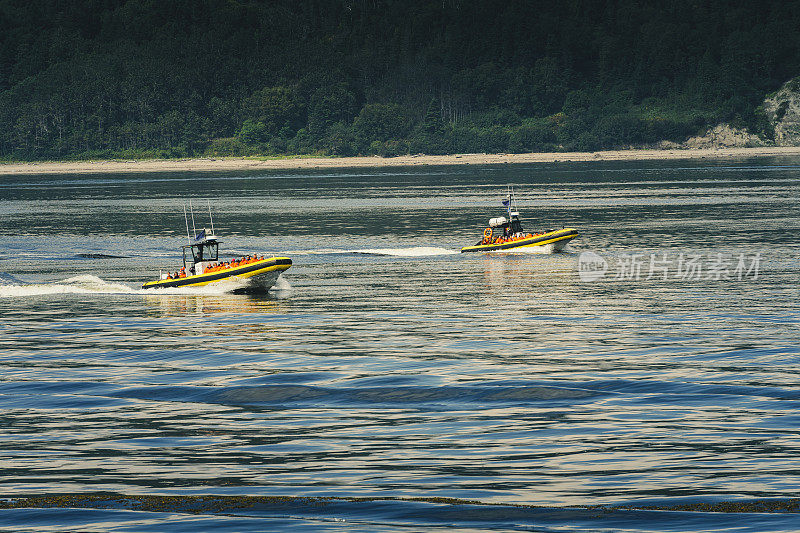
391, 377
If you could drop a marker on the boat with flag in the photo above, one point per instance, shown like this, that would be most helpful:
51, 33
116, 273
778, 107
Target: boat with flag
202, 266
506, 234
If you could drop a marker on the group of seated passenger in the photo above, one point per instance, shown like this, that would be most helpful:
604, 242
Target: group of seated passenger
508, 237
511, 237
179, 274
215, 267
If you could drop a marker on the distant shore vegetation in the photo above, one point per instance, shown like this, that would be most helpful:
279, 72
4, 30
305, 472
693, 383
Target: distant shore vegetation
82, 79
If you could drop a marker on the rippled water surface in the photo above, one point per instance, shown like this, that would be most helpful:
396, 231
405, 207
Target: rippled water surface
389, 365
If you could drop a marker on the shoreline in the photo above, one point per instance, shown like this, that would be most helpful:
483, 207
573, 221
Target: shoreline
239, 164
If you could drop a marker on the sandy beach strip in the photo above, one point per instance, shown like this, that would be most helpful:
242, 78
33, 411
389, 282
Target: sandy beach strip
240, 164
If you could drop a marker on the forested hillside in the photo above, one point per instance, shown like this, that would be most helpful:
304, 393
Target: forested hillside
92, 78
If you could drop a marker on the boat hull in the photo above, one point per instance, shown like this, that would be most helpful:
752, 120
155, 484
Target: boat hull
558, 239
258, 276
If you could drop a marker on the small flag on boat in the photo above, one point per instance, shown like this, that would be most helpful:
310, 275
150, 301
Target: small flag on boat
506, 202
200, 236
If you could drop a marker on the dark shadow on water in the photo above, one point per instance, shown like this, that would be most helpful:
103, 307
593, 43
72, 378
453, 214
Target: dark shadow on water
261, 294
434, 512
100, 256
8, 279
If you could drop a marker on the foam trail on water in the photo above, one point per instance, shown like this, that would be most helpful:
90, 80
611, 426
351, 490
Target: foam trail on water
88, 284
84, 284
417, 251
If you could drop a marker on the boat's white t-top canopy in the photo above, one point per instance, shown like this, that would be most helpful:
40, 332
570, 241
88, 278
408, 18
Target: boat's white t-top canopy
203, 236
501, 221
203, 250
513, 225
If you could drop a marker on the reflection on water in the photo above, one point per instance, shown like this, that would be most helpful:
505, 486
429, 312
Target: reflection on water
165, 305
394, 366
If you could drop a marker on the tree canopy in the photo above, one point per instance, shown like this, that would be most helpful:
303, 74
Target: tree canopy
87, 78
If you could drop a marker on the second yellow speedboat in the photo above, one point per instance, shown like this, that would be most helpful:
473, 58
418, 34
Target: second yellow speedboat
506, 234
558, 239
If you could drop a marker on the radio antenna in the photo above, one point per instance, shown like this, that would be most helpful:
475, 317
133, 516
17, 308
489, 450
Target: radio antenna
187, 224
192, 212
210, 217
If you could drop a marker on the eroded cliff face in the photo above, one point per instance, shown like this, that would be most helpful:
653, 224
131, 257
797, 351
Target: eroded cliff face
782, 110
725, 136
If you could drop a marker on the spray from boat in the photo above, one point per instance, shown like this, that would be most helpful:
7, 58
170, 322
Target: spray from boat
92, 285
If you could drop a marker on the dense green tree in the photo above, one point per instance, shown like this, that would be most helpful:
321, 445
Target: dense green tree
381, 122
532, 136
328, 106
279, 109
253, 132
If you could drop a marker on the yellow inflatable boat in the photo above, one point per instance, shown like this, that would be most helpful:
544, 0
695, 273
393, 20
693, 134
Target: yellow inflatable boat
506, 234
202, 266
